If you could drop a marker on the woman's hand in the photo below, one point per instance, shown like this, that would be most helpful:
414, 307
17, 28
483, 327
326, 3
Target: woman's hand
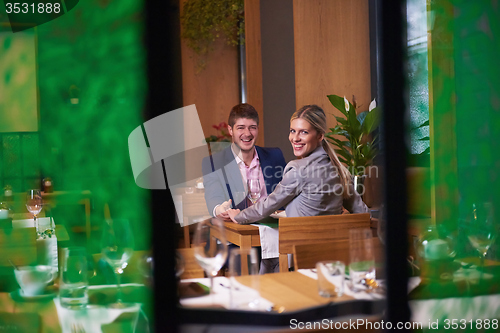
232, 213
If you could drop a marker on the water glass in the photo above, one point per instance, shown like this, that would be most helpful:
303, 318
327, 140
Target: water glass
73, 281
331, 276
243, 274
45, 227
362, 265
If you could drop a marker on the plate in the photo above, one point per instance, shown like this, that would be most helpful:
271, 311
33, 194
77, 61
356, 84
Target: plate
18, 295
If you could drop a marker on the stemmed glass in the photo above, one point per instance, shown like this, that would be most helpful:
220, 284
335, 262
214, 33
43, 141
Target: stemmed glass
117, 246
34, 202
210, 247
482, 229
482, 232
253, 186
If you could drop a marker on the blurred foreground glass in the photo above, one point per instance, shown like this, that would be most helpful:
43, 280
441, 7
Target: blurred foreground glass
117, 247
482, 230
210, 247
362, 266
331, 275
34, 202
241, 296
73, 278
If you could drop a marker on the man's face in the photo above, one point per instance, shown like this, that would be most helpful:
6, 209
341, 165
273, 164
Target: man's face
244, 133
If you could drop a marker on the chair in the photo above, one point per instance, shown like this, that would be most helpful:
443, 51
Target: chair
18, 245
307, 255
315, 229
192, 269
194, 208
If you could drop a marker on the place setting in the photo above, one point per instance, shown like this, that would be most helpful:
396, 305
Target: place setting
239, 290
357, 279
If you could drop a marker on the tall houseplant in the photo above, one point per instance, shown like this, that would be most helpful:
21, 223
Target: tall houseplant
357, 148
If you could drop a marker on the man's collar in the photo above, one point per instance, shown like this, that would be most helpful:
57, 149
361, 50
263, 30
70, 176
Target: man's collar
238, 159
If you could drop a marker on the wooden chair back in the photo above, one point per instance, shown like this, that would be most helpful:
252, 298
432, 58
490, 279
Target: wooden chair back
192, 205
307, 255
18, 245
192, 269
315, 229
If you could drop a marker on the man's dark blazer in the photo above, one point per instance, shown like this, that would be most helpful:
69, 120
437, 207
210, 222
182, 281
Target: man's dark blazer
222, 178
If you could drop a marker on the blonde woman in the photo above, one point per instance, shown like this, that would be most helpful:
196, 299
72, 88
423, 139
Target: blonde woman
316, 183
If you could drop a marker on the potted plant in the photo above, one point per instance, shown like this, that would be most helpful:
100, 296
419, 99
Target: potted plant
221, 140
357, 148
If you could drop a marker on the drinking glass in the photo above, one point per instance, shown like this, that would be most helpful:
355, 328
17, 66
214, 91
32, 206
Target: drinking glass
242, 297
34, 202
117, 248
74, 281
210, 247
482, 229
362, 265
253, 186
330, 278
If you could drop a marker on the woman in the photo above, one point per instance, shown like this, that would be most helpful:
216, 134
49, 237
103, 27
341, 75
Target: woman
314, 184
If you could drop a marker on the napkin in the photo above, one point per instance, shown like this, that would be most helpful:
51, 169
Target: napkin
269, 241
221, 295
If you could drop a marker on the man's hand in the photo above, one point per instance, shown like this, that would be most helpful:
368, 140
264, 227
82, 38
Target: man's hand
232, 213
220, 211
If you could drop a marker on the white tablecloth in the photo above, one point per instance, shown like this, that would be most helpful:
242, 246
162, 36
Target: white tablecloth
222, 295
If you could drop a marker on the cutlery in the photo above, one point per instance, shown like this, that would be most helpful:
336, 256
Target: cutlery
77, 328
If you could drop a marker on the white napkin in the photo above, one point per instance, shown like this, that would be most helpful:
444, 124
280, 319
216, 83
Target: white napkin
92, 317
269, 241
221, 294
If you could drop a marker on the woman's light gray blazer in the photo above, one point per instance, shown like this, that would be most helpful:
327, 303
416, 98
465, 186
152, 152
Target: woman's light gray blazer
310, 186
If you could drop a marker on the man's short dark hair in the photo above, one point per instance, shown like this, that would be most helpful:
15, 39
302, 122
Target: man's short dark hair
242, 110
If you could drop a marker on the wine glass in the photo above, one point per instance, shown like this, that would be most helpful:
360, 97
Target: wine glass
210, 247
253, 190
482, 229
117, 247
34, 202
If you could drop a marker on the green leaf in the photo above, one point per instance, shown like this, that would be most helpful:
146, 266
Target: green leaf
425, 123
372, 120
338, 102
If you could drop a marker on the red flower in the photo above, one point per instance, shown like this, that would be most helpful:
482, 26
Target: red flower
216, 127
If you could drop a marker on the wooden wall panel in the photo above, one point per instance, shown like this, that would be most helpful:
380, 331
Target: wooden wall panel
215, 90
254, 61
332, 52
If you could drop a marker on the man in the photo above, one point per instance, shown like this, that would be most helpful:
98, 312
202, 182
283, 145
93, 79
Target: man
225, 173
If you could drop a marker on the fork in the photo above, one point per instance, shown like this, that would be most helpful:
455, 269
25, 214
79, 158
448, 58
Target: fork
77, 328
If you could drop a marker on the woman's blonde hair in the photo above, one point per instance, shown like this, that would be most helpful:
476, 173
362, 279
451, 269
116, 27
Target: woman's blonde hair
315, 116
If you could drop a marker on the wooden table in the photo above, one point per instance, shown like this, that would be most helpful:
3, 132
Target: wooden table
52, 200
291, 291
244, 235
294, 296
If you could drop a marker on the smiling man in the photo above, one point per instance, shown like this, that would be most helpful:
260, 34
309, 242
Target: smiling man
225, 174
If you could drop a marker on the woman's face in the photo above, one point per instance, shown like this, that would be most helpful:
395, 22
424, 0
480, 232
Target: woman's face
303, 137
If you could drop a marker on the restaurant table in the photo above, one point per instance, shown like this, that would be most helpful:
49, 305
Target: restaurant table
293, 295
45, 314
57, 198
